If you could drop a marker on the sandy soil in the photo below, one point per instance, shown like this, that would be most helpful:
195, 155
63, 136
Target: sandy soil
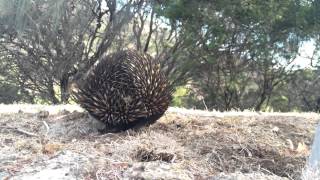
63, 142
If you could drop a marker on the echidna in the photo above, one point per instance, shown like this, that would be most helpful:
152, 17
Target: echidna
125, 90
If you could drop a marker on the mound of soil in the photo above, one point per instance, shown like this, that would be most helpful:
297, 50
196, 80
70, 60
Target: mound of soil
183, 144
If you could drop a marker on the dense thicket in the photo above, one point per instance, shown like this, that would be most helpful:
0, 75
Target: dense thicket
220, 54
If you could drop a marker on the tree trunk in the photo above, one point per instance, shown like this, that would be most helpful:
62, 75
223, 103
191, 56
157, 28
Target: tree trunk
52, 95
263, 97
64, 88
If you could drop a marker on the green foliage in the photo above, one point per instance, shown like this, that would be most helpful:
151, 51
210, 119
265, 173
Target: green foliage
280, 103
300, 93
9, 93
179, 96
185, 97
19, 14
238, 54
237, 45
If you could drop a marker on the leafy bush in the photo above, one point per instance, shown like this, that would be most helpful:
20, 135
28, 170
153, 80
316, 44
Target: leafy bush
9, 93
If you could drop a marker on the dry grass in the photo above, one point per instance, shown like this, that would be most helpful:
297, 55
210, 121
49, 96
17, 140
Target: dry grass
184, 144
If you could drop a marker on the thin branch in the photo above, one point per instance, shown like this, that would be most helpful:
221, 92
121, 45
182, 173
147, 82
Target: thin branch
150, 31
46, 125
21, 131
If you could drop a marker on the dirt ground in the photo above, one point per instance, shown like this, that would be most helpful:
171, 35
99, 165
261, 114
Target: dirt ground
63, 142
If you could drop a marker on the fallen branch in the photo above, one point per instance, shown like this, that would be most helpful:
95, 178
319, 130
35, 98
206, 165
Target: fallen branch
20, 131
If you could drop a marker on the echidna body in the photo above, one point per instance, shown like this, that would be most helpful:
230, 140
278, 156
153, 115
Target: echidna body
125, 90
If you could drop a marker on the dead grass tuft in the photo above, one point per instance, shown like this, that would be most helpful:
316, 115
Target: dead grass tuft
145, 155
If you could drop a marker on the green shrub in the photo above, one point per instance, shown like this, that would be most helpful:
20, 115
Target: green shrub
9, 93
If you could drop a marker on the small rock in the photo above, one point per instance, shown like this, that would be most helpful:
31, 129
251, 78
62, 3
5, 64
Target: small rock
64, 112
8, 141
275, 129
43, 114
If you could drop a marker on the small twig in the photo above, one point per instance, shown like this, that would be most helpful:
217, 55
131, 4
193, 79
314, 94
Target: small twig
62, 117
47, 126
173, 159
289, 176
266, 170
20, 131
98, 174
70, 116
220, 160
205, 105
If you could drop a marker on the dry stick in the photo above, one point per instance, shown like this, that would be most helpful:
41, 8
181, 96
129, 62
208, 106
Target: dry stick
46, 125
205, 105
20, 131
266, 170
70, 116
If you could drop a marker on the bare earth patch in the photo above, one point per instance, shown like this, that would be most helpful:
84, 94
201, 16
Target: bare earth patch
63, 142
